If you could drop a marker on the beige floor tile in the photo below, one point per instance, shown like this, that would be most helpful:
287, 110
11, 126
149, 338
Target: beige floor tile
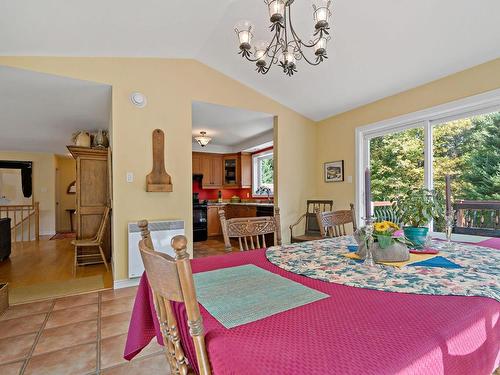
14, 348
116, 324
76, 360
72, 315
112, 350
66, 336
21, 326
155, 365
11, 368
79, 300
118, 293
117, 306
18, 311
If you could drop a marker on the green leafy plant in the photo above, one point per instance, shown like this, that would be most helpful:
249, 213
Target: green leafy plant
418, 207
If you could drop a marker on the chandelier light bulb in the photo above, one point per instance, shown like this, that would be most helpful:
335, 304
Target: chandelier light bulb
244, 30
320, 46
260, 51
276, 10
321, 13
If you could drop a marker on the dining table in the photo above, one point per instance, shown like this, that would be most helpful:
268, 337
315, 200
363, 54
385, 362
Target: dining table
431, 318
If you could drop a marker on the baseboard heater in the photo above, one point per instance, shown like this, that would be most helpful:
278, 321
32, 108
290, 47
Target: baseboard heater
162, 233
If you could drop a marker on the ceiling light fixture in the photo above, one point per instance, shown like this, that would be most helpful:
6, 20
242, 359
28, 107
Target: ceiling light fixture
285, 47
202, 139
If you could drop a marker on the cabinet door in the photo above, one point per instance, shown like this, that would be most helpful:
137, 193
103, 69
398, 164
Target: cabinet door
206, 170
216, 172
231, 171
246, 170
197, 169
214, 226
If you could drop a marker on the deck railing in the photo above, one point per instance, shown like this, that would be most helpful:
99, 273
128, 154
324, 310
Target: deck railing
25, 221
479, 218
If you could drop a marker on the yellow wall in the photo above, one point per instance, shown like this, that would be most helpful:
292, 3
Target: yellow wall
170, 87
335, 135
43, 185
66, 167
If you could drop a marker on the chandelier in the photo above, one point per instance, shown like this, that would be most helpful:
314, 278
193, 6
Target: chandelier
285, 48
202, 139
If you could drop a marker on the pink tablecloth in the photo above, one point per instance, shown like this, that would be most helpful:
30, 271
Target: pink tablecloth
356, 331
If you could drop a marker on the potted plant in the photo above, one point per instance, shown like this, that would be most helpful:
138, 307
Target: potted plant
388, 246
416, 208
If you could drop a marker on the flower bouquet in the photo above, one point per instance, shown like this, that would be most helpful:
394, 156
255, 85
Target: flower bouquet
389, 245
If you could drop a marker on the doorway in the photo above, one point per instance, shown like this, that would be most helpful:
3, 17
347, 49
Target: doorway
233, 171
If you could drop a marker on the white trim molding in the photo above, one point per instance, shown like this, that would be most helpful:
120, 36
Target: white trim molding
467, 107
125, 283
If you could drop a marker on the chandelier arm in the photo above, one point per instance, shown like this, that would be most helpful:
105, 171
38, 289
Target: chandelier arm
297, 38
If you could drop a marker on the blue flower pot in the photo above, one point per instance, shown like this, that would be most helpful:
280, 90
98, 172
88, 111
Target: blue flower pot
416, 235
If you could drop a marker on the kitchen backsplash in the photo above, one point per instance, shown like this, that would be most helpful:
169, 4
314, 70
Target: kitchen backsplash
212, 194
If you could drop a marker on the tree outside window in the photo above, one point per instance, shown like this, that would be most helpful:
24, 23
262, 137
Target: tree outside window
263, 172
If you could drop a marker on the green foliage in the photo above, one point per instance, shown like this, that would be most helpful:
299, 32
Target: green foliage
467, 149
417, 207
267, 171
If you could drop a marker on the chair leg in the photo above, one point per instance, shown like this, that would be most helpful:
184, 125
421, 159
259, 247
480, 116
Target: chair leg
103, 258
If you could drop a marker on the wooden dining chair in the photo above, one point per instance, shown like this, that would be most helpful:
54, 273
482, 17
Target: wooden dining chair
171, 280
94, 242
333, 223
251, 231
311, 231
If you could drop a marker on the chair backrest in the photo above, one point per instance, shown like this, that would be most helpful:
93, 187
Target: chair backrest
332, 223
172, 280
311, 221
250, 231
102, 225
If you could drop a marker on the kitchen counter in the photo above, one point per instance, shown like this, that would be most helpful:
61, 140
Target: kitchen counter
264, 204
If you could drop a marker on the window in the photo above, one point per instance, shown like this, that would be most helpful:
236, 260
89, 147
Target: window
263, 173
419, 149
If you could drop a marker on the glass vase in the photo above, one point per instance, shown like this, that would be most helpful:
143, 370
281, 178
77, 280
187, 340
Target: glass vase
369, 261
449, 224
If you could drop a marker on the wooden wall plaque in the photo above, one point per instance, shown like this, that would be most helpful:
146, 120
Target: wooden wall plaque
158, 180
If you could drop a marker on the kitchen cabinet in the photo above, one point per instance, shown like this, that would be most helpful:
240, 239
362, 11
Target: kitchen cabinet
211, 168
237, 170
214, 226
237, 211
197, 163
228, 171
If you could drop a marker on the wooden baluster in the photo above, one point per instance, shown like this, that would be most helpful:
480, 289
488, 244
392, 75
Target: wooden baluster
264, 241
258, 242
241, 245
251, 243
246, 243
22, 224
29, 224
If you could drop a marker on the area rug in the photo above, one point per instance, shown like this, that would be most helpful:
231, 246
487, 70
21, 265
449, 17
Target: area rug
55, 289
60, 236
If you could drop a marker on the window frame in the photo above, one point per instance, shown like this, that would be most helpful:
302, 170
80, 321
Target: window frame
427, 118
256, 158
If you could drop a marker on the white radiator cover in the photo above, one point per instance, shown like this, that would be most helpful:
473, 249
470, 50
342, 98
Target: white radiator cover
162, 232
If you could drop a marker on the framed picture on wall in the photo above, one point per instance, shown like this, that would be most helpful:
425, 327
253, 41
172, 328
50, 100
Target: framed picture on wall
334, 171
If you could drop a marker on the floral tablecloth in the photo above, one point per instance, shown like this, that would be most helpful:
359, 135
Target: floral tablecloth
322, 260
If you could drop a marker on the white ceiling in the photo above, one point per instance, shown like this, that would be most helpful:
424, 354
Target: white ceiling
39, 112
379, 48
231, 129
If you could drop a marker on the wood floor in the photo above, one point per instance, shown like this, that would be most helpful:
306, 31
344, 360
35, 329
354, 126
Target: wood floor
46, 261
213, 246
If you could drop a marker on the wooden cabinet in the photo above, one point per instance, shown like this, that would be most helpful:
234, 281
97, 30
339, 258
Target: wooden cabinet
92, 194
228, 171
234, 210
211, 169
197, 163
214, 226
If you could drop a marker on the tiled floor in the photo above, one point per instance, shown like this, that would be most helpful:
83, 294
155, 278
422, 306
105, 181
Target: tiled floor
82, 334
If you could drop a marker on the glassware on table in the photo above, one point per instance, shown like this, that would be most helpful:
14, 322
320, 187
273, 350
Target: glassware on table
369, 261
449, 224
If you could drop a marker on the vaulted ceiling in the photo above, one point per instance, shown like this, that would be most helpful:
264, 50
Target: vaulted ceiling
379, 48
